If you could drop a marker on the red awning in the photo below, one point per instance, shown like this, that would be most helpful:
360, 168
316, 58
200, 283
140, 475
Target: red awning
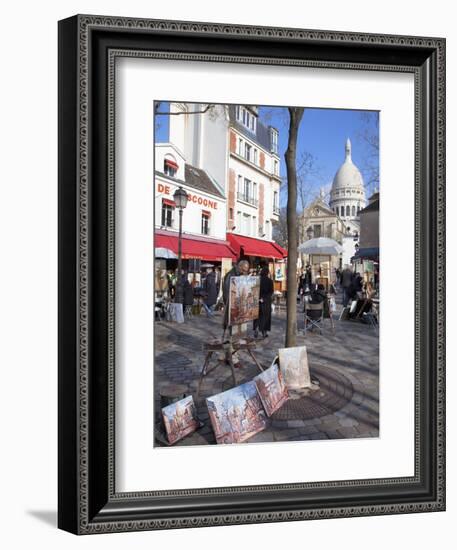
194, 248
168, 202
171, 163
255, 247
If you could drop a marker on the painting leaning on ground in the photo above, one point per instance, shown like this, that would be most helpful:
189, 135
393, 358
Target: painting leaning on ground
267, 274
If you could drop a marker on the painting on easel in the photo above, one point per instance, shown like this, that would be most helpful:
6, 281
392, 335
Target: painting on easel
236, 414
244, 299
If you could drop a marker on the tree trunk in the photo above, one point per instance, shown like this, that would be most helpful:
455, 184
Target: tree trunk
295, 114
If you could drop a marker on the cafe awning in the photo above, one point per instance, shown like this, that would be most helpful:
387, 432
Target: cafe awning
249, 246
199, 249
367, 253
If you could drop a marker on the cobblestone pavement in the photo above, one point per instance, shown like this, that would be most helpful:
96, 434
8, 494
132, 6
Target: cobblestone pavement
344, 363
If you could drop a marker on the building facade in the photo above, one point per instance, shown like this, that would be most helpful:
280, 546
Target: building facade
228, 160
253, 174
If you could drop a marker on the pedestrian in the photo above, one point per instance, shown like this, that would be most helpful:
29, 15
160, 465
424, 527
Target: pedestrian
171, 283
187, 291
308, 276
210, 293
357, 283
263, 323
346, 284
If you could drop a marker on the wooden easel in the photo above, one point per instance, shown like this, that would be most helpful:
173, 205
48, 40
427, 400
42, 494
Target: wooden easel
229, 347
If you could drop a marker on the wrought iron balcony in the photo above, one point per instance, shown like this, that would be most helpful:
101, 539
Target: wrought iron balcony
246, 198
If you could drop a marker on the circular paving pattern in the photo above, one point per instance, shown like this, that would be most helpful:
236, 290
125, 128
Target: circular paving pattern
335, 391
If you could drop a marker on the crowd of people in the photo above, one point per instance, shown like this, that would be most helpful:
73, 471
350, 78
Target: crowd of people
212, 291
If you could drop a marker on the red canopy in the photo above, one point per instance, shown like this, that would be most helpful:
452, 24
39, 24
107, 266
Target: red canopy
195, 248
255, 247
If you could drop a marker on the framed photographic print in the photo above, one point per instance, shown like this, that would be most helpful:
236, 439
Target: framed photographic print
194, 157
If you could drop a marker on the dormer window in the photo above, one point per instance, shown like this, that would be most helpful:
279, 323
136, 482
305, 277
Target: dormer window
274, 140
170, 166
246, 118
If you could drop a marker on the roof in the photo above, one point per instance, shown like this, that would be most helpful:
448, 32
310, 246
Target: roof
262, 134
199, 179
372, 207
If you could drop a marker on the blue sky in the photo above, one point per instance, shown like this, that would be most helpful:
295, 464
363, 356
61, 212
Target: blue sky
322, 134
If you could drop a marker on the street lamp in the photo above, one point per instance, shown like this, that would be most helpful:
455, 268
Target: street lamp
180, 197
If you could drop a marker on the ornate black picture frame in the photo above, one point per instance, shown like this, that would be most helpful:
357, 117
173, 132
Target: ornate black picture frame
88, 501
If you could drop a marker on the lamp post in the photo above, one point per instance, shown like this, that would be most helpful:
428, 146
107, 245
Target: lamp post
180, 197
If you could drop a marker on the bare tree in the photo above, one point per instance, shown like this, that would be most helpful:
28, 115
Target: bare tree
295, 115
370, 136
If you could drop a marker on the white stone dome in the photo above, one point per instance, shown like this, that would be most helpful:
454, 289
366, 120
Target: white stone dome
347, 196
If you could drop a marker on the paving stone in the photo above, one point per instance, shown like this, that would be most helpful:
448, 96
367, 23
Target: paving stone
348, 422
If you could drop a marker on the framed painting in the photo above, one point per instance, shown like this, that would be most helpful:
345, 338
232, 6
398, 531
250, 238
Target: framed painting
190, 152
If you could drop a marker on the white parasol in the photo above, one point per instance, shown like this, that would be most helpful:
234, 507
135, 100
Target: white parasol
321, 245
165, 253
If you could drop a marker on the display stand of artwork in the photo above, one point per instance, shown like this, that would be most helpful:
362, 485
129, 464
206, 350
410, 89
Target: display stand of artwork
243, 306
293, 363
272, 389
228, 347
236, 414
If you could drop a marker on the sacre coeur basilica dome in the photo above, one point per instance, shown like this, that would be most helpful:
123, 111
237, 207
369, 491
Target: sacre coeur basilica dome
347, 196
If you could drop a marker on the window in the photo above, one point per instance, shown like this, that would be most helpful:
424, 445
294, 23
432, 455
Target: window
247, 151
240, 146
347, 211
170, 166
205, 222
247, 189
276, 202
255, 156
246, 224
267, 230
254, 192
240, 184
317, 231
238, 222
167, 213
255, 229
231, 214
274, 140
353, 210
246, 118
276, 168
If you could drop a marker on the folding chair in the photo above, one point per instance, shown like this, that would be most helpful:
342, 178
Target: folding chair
314, 316
188, 312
